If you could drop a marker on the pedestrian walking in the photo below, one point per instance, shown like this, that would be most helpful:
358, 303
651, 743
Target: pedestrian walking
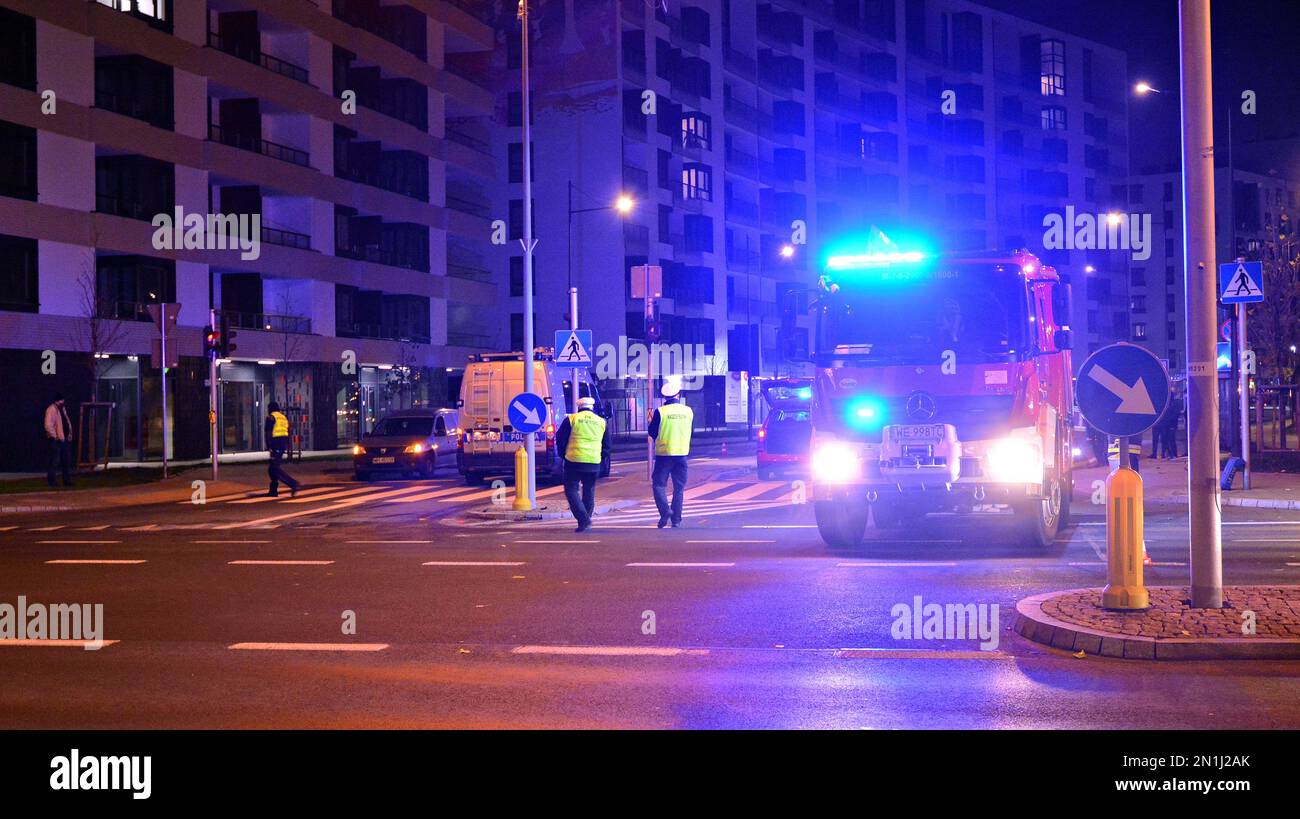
1169, 433
670, 427
58, 438
277, 436
583, 437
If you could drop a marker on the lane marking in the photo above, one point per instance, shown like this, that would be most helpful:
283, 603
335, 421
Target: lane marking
1262, 540
308, 646
608, 651
302, 493
82, 644
885, 565
93, 528
229, 541
693, 492
366, 542
680, 565
473, 563
47, 528
779, 526
341, 493
731, 541
75, 542
7, 528
557, 541
109, 562
332, 507
747, 492
279, 562
918, 654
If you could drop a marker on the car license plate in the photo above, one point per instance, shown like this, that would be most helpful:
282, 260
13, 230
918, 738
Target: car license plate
387, 460
917, 432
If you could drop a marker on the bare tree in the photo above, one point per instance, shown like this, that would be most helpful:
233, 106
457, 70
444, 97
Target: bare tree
405, 378
97, 334
1275, 322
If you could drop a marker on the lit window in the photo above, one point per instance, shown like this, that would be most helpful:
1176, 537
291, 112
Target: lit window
1052, 74
1053, 118
697, 182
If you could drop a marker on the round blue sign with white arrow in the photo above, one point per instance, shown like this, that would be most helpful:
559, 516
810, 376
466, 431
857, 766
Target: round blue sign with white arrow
1123, 389
527, 412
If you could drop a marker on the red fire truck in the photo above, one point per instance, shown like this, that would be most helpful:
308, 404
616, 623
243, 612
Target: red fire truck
943, 384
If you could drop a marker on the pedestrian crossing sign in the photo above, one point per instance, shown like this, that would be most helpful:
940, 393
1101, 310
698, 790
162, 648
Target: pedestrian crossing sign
573, 348
1241, 282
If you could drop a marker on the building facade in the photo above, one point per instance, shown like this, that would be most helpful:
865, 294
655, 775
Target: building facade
753, 134
339, 124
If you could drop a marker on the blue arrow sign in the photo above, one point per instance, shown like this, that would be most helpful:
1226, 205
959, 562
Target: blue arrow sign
1123, 389
527, 412
1241, 282
573, 348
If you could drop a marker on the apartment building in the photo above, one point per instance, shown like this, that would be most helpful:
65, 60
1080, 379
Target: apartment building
115, 111
1263, 207
733, 124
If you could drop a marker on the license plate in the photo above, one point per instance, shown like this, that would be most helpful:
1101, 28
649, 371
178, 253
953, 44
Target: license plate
387, 460
917, 432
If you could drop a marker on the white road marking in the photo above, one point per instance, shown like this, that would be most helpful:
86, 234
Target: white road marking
473, 563
100, 528
779, 526
731, 541
82, 644
7, 528
456, 490
608, 651
229, 541
680, 565
279, 562
557, 541
387, 541
308, 646
1262, 540
47, 528
76, 542
747, 492
302, 493
110, 562
918, 654
883, 565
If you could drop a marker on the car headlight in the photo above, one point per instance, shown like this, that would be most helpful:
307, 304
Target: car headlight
414, 449
358, 449
835, 462
1015, 460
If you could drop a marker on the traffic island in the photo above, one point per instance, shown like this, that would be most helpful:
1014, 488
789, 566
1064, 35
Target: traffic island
544, 511
1170, 629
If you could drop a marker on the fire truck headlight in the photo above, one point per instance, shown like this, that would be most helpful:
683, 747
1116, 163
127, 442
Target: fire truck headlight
835, 462
1015, 460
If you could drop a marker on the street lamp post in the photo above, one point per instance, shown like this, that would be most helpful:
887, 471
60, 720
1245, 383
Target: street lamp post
623, 205
529, 244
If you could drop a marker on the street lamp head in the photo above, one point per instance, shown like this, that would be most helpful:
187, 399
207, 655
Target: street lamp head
1089, 269
624, 204
1145, 88
787, 251
1112, 219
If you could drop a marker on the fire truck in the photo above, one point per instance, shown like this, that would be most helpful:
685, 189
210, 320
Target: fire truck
942, 389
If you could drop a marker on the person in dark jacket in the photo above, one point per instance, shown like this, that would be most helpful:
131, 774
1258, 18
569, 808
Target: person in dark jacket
1169, 432
277, 436
583, 438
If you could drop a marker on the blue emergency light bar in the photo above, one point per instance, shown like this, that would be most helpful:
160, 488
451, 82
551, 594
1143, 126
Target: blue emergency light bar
858, 261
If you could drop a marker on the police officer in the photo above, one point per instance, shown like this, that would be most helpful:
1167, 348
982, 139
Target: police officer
583, 437
671, 430
277, 436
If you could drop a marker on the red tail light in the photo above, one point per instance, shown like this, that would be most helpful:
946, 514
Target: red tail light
762, 433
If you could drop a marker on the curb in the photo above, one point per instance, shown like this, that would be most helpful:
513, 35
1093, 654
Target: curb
542, 513
6, 510
1032, 624
1227, 500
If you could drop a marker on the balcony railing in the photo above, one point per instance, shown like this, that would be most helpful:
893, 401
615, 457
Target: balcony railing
267, 322
130, 208
286, 238
466, 271
381, 332
378, 255
244, 142
466, 206
123, 310
472, 142
255, 56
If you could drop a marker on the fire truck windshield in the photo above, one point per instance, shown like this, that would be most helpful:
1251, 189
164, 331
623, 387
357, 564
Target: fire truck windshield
979, 312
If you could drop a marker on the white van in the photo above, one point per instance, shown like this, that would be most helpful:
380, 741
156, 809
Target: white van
487, 441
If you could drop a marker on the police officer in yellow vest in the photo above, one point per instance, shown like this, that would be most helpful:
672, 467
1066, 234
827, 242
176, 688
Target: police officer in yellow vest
671, 430
583, 437
277, 437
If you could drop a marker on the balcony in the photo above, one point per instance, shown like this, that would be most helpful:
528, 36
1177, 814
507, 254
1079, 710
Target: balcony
267, 322
244, 142
740, 64
469, 272
379, 332
123, 310
129, 208
255, 56
478, 209
456, 338
469, 141
286, 238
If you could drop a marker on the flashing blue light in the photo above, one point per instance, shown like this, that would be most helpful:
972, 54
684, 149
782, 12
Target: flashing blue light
866, 413
858, 261
805, 393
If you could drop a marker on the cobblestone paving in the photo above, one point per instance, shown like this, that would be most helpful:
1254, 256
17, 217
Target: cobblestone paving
1276, 608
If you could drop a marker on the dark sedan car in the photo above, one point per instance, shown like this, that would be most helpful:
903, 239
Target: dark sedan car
408, 442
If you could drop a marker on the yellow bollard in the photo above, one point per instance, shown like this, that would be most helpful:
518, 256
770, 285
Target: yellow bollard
1124, 544
521, 481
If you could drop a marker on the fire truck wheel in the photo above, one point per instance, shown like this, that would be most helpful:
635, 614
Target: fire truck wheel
1040, 519
840, 524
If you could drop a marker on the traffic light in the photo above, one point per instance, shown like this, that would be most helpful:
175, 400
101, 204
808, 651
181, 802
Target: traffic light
653, 323
225, 338
211, 341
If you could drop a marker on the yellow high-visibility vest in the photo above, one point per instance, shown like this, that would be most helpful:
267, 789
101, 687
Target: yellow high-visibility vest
281, 428
675, 422
586, 434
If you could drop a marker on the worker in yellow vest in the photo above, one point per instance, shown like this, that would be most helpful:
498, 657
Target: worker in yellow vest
583, 437
670, 427
277, 438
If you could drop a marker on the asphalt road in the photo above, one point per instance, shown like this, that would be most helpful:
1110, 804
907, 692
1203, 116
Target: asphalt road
232, 615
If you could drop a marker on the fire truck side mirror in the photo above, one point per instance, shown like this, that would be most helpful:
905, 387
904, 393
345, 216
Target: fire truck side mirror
1063, 339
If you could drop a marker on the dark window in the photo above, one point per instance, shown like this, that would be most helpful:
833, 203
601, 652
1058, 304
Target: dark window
18, 166
136, 187
517, 218
516, 161
135, 87
125, 284
18, 278
517, 275
514, 109
18, 45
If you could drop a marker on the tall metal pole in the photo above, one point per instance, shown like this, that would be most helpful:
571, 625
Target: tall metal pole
529, 244
212, 397
573, 325
1205, 547
1243, 385
649, 377
162, 348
